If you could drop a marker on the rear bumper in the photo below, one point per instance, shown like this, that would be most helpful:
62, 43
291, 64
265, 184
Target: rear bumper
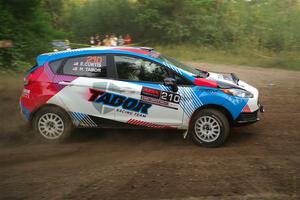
24, 111
246, 118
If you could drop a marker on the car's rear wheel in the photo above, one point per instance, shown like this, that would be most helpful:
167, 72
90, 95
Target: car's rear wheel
209, 128
52, 124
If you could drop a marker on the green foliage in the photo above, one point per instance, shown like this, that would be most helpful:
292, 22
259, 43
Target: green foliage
234, 55
257, 24
103, 17
28, 26
241, 28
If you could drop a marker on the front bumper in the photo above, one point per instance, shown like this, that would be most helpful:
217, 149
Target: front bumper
246, 118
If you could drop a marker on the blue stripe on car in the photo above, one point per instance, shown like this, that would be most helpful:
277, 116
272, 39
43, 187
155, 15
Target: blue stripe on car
25, 111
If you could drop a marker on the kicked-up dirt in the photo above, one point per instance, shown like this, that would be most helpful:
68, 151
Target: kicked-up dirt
261, 161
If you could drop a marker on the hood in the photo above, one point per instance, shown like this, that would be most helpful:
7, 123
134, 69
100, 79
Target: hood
224, 78
217, 80
227, 80
220, 80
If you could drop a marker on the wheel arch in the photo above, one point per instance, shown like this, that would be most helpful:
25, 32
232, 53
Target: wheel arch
32, 114
216, 107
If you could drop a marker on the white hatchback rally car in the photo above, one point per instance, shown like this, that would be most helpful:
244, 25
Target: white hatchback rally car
133, 87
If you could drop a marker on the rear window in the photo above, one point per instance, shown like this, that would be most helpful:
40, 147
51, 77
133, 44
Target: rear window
87, 66
54, 65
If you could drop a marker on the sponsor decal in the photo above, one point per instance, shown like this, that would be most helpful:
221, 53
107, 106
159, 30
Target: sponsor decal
150, 92
121, 101
161, 98
127, 112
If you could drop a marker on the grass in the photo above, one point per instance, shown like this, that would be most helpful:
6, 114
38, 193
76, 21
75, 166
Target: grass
236, 56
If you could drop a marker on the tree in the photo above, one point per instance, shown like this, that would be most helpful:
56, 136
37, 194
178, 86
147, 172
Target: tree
26, 23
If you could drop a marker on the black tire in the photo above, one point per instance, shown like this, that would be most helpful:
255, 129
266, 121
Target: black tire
220, 133
58, 113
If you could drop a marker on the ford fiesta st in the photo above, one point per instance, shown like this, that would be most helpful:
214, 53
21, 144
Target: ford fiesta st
133, 87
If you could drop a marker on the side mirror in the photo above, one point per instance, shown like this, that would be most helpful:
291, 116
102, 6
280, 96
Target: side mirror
171, 82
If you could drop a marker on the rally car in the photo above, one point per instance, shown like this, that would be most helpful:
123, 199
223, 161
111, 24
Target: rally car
59, 45
133, 87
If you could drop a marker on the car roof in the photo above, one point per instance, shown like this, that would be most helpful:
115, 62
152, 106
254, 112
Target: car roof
145, 52
140, 51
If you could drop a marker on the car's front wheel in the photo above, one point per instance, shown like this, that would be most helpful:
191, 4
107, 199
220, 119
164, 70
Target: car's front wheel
52, 124
209, 128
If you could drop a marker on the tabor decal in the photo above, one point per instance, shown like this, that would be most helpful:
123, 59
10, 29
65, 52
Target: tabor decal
116, 100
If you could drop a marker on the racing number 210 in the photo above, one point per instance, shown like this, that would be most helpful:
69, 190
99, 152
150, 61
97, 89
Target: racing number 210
94, 59
168, 96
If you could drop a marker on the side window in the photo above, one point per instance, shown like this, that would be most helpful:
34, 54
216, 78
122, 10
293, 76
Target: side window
136, 69
88, 66
54, 65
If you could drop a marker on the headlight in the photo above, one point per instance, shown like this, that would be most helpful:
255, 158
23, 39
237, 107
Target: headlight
238, 92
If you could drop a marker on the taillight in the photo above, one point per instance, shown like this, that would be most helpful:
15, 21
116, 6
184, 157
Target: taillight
28, 79
32, 75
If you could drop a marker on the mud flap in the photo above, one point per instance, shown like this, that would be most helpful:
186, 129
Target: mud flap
185, 134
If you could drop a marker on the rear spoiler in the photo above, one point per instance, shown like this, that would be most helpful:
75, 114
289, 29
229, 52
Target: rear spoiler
41, 59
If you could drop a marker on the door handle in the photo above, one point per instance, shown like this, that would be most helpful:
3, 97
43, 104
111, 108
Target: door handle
64, 83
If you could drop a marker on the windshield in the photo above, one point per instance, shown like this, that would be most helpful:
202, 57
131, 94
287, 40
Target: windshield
178, 64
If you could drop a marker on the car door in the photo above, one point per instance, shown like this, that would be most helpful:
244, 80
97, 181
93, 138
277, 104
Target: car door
147, 102
82, 80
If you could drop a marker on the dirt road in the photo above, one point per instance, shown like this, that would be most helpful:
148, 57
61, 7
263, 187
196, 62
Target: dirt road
261, 161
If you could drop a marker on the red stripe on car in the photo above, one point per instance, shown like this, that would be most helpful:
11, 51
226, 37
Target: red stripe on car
205, 82
147, 124
246, 109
